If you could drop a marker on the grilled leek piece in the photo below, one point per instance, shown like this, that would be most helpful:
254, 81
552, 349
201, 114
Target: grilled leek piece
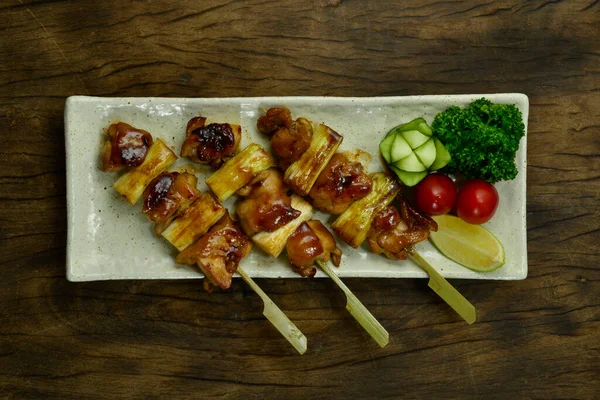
238, 171
274, 242
302, 174
132, 184
195, 221
354, 224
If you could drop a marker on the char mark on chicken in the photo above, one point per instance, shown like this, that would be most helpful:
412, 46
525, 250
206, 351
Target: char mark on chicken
210, 144
340, 183
127, 147
167, 196
392, 233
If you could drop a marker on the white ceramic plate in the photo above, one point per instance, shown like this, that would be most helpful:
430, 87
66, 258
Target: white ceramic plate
109, 239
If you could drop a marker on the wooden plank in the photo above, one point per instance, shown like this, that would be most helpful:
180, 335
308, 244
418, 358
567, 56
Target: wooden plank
536, 338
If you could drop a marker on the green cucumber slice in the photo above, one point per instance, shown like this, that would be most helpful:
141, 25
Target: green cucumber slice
424, 129
426, 153
442, 157
400, 149
414, 138
410, 163
412, 125
409, 178
393, 131
410, 152
385, 147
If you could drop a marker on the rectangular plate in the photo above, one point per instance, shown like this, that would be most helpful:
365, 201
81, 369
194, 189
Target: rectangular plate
109, 239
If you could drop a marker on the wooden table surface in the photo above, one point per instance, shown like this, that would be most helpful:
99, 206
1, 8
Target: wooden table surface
538, 338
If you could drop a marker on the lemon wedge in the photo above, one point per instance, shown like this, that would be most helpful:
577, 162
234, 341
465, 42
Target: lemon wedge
471, 246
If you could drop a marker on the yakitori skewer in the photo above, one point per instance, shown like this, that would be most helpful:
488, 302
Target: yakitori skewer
195, 223
274, 220
340, 186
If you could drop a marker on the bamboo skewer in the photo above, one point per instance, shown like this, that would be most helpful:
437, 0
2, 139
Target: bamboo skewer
445, 290
277, 317
358, 310
132, 184
273, 243
353, 224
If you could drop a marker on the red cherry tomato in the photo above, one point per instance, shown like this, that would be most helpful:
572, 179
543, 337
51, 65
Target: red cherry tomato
436, 194
477, 201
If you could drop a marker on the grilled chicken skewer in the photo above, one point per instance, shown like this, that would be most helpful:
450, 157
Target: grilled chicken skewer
338, 186
195, 223
393, 234
276, 221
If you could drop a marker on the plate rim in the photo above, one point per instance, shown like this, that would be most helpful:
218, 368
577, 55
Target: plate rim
520, 99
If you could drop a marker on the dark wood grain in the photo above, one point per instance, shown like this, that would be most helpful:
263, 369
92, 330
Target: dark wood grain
536, 339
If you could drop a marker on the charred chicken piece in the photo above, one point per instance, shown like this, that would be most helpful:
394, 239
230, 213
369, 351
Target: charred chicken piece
210, 144
274, 119
340, 183
167, 196
219, 252
266, 205
414, 218
309, 242
289, 143
127, 147
392, 232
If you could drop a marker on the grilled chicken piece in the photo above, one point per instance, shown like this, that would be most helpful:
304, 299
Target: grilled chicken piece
340, 183
290, 138
219, 252
414, 218
127, 147
309, 242
392, 231
274, 119
266, 206
289, 144
210, 144
167, 197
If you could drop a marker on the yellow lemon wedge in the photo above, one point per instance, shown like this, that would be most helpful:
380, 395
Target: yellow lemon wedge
471, 246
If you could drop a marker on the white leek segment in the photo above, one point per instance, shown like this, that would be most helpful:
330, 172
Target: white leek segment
196, 220
303, 173
131, 184
238, 171
354, 223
